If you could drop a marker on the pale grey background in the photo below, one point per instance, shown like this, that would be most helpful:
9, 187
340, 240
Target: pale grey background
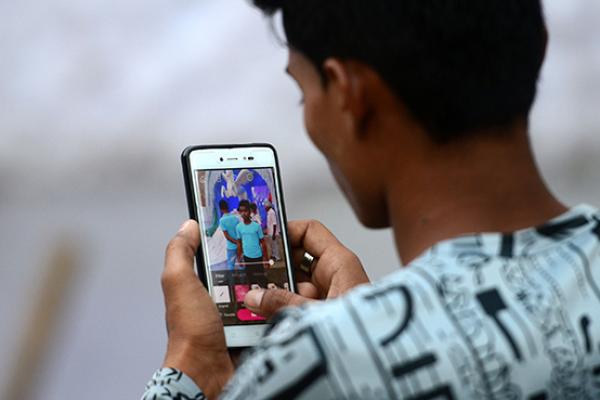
98, 98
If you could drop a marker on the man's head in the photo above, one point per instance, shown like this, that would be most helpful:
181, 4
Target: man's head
267, 205
244, 210
393, 78
223, 206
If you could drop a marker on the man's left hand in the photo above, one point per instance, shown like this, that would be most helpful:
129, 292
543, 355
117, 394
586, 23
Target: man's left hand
196, 336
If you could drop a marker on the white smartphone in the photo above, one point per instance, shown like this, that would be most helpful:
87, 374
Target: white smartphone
234, 192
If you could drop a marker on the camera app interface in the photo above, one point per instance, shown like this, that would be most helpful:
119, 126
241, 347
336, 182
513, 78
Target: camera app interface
240, 219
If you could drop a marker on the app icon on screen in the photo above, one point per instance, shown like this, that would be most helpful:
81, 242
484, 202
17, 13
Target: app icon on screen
240, 292
221, 294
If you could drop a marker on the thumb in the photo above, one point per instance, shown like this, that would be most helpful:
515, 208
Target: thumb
268, 302
179, 257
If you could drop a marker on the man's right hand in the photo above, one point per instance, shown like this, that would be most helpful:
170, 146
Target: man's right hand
336, 270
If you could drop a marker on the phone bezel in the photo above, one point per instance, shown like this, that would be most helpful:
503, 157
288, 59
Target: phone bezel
247, 334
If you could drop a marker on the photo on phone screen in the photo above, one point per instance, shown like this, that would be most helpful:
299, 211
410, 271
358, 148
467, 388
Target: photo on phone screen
240, 220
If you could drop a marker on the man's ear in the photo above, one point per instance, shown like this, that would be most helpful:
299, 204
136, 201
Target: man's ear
347, 82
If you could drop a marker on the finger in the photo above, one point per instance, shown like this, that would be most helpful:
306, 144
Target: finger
297, 255
311, 236
179, 257
307, 289
320, 275
299, 273
268, 302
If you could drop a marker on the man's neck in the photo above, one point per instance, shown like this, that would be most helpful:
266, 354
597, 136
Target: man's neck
472, 186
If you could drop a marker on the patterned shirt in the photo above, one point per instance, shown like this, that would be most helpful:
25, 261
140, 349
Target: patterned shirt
499, 316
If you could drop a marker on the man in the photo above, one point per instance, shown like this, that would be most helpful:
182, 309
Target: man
421, 109
255, 214
228, 224
251, 249
272, 233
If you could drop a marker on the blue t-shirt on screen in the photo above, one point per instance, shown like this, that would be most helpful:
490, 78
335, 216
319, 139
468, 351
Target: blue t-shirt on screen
250, 234
228, 223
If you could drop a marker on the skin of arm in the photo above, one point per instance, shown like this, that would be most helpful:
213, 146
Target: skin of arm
239, 250
228, 237
263, 246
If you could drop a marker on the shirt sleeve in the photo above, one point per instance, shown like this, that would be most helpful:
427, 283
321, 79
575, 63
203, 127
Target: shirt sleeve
259, 232
171, 384
288, 363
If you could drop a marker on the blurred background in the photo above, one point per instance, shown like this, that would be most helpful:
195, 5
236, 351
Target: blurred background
97, 100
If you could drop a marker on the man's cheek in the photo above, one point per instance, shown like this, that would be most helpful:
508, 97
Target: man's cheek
314, 127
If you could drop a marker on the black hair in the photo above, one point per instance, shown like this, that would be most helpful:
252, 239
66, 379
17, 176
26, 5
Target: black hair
253, 206
244, 203
457, 65
223, 206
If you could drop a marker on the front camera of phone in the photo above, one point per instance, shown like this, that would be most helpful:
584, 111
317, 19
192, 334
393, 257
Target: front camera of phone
221, 159
250, 158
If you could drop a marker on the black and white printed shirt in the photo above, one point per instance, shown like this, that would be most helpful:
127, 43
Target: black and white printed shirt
499, 316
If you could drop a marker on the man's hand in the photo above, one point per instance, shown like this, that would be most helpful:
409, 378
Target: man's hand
196, 336
337, 270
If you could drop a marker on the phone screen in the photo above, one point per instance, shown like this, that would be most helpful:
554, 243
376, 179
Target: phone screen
240, 219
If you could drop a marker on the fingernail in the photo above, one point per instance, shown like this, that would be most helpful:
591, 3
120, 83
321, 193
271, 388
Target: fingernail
184, 226
253, 298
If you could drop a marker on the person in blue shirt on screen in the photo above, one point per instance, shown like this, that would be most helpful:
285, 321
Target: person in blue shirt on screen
228, 224
251, 248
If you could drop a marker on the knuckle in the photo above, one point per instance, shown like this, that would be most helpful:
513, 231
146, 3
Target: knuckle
348, 254
167, 277
275, 299
352, 257
172, 245
354, 260
313, 223
179, 243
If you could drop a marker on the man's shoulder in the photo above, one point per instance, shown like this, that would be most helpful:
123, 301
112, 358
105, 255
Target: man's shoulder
469, 307
382, 310
248, 228
229, 218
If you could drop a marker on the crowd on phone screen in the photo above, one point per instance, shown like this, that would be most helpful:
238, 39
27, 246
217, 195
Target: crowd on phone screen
249, 246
